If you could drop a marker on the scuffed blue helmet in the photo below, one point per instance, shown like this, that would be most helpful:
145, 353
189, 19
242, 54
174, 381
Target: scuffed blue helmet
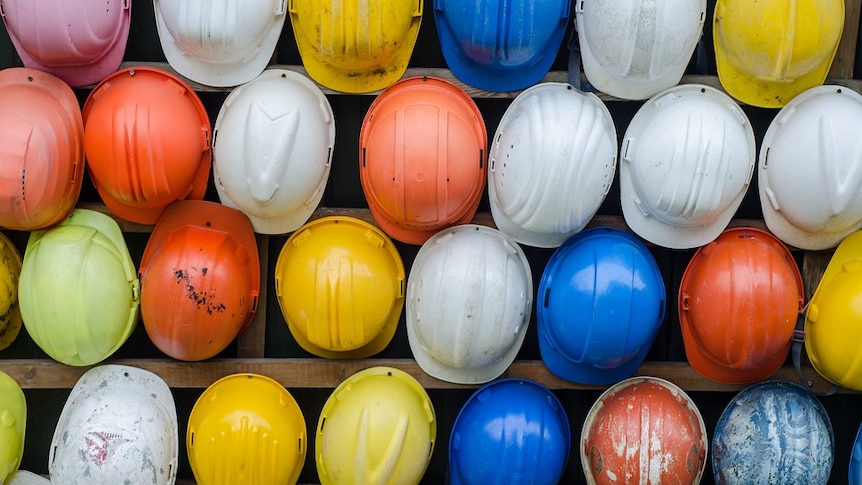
773, 432
510, 431
500, 46
600, 303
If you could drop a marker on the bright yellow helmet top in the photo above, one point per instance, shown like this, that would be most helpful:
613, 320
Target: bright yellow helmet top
13, 417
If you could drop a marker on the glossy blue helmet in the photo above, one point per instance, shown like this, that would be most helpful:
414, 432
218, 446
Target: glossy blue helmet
600, 303
855, 472
773, 432
510, 431
500, 45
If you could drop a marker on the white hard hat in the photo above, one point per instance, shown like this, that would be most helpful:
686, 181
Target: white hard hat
272, 150
686, 160
219, 42
469, 298
24, 477
119, 425
551, 165
633, 49
810, 170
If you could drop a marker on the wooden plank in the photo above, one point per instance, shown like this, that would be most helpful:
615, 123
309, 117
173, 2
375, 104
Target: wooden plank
252, 342
845, 57
312, 373
813, 266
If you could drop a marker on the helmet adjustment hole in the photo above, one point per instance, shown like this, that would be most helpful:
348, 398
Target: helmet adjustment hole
322, 423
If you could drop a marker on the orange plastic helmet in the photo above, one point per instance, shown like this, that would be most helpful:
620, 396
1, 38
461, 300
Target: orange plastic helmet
200, 279
423, 148
739, 300
644, 430
147, 140
41, 149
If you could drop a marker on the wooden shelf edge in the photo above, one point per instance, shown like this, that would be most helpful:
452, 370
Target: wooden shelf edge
313, 373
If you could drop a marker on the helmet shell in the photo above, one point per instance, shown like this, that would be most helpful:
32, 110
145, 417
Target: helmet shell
510, 431
551, 165
10, 311
601, 302
272, 150
469, 299
79, 41
773, 431
200, 279
855, 469
423, 148
41, 149
739, 300
13, 424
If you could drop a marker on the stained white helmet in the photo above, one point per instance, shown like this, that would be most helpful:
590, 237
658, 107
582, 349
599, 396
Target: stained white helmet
633, 49
810, 169
685, 164
219, 42
119, 425
469, 298
551, 164
272, 150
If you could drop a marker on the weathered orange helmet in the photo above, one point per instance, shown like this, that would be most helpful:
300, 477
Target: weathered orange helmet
200, 279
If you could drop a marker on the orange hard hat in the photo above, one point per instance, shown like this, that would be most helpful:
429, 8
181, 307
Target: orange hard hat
41, 149
739, 300
200, 279
423, 148
147, 140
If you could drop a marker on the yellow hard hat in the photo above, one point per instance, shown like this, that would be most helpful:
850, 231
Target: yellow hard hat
769, 51
13, 417
379, 427
833, 322
246, 428
340, 284
355, 47
10, 270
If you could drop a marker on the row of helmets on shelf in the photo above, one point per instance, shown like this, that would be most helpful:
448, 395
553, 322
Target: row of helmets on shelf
379, 426
766, 52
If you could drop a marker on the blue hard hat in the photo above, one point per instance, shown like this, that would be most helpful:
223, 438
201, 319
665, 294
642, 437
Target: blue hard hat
600, 303
510, 431
773, 432
500, 46
855, 472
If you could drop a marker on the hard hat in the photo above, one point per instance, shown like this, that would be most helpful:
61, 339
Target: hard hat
219, 43
147, 141
686, 160
855, 469
79, 41
552, 163
246, 428
808, 177
510, 431
601, 301
340, 286
119, 425
10, 312
644, 430
355, 47
378, 426
24, 477
200, 279
469, 298
272, 150
739, 300
833, 320
633, 49
13, 423
41, 149
773, 432
78, 291
769, 51
500, 46
423, 147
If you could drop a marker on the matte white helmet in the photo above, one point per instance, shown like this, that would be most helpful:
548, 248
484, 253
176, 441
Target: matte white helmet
686, 160
24, 477
810, 168
272, 150
551, 165
469, 298
633, 49
119, 425
219, 42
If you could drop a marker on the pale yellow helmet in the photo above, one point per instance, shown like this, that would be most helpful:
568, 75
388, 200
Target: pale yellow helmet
10, 271
13, 417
